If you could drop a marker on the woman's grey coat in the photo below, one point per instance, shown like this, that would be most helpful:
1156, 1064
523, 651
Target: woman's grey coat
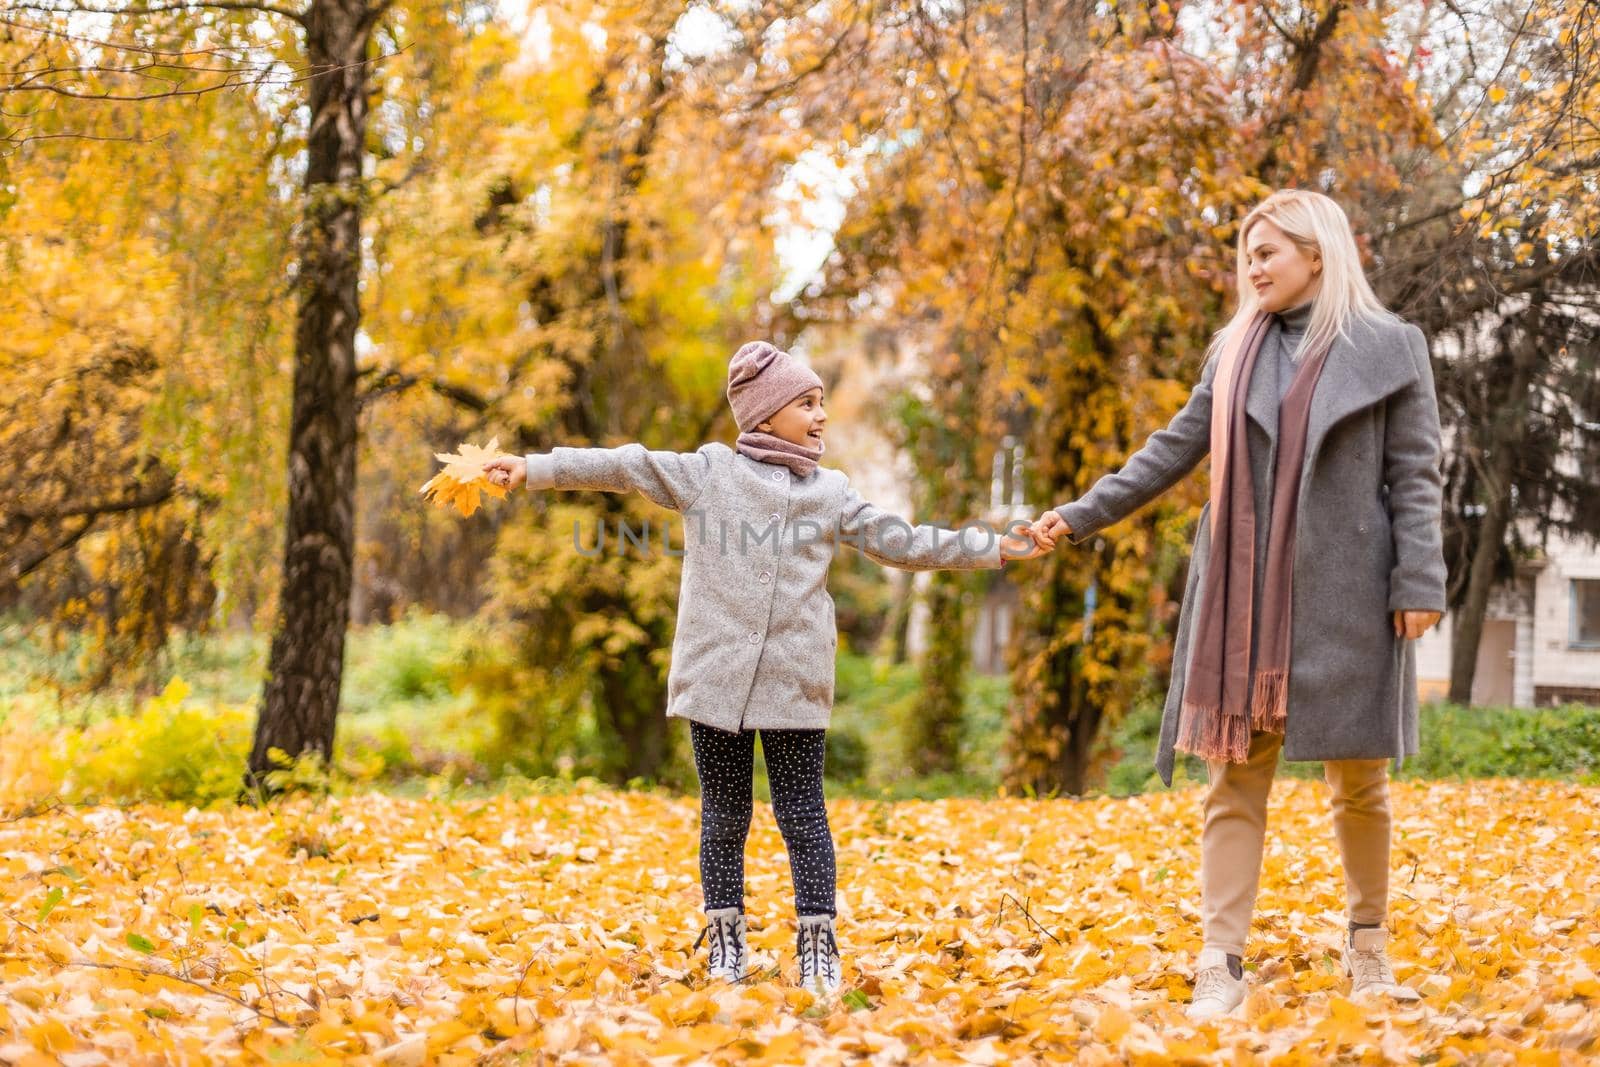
756, 637
1367, 540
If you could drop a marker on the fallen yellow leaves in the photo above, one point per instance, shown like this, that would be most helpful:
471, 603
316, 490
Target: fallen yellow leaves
462, 479
472, 931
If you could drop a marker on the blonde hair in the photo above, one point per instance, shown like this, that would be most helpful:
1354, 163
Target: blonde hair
1316, 224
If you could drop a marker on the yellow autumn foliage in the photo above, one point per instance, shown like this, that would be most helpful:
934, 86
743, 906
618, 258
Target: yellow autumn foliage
462, 479
557, 928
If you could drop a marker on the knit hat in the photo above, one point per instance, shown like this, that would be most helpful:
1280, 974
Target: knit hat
762, 378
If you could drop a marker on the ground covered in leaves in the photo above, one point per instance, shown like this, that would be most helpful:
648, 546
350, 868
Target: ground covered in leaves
558, 928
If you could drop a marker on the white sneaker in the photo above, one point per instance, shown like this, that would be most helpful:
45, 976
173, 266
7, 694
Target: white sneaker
725, 934
819, 955
1216, 990
1368, 966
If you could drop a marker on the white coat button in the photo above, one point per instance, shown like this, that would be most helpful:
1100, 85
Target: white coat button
766, 576
755, 638
777, 476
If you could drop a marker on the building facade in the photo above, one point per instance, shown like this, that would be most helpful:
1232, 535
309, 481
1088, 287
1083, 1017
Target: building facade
1541, 636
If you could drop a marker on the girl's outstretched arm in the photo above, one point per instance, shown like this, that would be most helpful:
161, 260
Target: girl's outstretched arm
672, 479
888, 539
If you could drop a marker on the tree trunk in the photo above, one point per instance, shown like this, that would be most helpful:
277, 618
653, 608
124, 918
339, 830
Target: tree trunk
1504, 438
1083, 632
1075, 722
1054, 727
307, 658
1051, 725
894, 644
933, 741
1468, 629
632, 698
1082, 727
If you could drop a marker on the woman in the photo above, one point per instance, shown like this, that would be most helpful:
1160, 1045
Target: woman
1317, 562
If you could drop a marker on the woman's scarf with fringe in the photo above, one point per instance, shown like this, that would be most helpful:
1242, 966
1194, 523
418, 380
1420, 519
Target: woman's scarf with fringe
1222, 703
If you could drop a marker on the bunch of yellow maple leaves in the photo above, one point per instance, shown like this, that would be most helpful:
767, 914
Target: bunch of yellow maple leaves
544, 928
462, 482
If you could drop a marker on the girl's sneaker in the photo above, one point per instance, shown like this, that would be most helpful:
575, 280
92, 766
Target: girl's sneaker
724, 937
820, 969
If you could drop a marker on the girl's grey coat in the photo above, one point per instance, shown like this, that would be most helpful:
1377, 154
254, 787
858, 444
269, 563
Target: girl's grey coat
756, 637
1367, 540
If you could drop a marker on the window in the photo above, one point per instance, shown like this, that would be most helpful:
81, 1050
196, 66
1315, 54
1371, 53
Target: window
1586, 613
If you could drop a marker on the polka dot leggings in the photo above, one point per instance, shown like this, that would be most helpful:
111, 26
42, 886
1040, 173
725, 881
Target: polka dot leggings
726, 763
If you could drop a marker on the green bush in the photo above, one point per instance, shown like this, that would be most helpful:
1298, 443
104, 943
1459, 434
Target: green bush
874, 700
514, 716
228, 666
868, 698
983, 732
169, 750
1460, 742
1456, 742
411, 659
1131, 747
409, 708
847, 758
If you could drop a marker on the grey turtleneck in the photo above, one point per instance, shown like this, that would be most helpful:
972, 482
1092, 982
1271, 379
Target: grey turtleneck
1282, 342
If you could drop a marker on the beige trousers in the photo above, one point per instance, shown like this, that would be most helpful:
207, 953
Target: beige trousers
1236, 826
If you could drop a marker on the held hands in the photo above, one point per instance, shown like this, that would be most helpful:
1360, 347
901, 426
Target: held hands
1413, 624
1049, 528
1019, 545
507, 471
1034, 540
1028, 542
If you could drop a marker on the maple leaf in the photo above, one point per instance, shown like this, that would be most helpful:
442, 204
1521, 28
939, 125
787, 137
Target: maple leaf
462, 481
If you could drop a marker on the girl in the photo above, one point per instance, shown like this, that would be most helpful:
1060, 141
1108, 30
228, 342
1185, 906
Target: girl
755, 641
1317, 562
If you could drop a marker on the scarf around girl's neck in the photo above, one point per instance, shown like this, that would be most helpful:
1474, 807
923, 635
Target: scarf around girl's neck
1221, 706
769, 448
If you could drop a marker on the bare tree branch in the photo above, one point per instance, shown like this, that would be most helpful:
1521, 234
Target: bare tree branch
149, 497
170, 68
390, 381
263, 6
1308, 55
172, 976
21, 568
